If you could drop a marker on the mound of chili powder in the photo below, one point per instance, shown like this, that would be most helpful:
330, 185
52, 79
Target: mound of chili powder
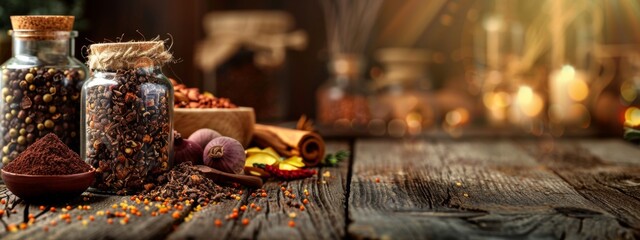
47, 156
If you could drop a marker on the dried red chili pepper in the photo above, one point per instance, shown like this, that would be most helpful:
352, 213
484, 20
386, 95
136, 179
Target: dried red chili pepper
286, 174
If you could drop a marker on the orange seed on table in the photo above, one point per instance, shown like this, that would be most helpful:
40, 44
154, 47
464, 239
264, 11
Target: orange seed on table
245, 221
218, 223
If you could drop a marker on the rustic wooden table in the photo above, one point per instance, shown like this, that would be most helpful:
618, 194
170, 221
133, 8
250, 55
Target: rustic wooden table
421, 189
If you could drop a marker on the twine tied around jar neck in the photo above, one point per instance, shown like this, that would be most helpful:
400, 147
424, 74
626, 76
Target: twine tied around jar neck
263, 32
128, 55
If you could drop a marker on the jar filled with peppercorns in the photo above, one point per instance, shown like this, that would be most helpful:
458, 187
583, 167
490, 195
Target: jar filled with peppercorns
127, 111
40, 85
342, 99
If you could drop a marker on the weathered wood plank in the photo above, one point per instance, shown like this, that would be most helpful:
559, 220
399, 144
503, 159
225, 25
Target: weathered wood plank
142, 227
607, 172
420, 189
323, 218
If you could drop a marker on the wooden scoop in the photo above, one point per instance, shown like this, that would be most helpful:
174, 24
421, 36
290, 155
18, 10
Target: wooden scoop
220, 176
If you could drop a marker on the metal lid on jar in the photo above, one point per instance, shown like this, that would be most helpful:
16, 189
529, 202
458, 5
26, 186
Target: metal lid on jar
42, 23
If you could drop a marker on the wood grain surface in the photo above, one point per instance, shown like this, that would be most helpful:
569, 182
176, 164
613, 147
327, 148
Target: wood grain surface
422, 190
394, 189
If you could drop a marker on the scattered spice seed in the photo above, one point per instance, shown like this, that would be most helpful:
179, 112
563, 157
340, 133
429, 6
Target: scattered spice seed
52, 209
23, 226
263, 194
292, 223
176, 215
292, 215
91, 218
12, 228
301, 207
253, 205
1, 212
466, 195
243, 208
458, 184
245, 221
258, 208
3, 201
42, 208
218, 223
45, 228
305, 201
377, 180
110, 220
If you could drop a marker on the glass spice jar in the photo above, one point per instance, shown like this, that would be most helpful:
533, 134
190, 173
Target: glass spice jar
40, 85
401, 97
244, 59
127, 109
341, 100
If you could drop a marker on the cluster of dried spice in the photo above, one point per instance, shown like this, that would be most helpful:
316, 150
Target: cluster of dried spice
192, 98
128, 130
185, 182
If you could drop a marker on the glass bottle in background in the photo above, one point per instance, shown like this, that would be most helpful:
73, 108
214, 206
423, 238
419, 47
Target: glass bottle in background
342, 99
402, 102
244, 59
40, 85
497, 51
573, 71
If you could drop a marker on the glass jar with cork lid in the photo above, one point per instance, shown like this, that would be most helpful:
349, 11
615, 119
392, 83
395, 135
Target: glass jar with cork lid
40, 85
127, 110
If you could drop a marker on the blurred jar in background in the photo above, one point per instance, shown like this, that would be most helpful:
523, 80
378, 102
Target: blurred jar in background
402, 101
497, 58
244, 59
342, 99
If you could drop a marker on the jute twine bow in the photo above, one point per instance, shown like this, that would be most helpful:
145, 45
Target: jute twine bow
128, 55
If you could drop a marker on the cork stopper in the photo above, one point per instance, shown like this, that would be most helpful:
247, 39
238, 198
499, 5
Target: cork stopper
42, 23
127, 55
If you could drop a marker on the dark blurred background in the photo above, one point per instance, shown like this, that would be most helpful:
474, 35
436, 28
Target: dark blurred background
454, 33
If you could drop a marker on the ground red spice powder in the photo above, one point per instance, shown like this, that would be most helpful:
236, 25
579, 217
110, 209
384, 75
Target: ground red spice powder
47, 156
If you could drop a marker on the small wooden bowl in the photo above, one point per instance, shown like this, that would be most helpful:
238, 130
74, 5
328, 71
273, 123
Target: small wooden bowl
48, 188
236, 123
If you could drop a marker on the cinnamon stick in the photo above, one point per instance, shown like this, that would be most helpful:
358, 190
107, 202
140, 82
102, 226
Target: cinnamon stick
289, 142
